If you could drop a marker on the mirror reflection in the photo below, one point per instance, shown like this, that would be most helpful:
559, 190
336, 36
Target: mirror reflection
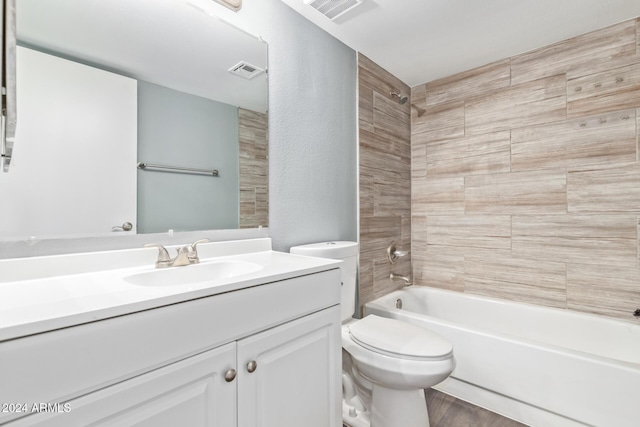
103, 86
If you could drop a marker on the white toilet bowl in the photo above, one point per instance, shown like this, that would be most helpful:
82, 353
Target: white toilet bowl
395, 361
387, 363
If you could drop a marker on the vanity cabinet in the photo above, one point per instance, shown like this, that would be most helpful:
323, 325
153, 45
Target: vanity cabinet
191, 393
282, 374
174, 365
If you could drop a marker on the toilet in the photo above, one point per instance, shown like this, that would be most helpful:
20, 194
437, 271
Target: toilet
386, 363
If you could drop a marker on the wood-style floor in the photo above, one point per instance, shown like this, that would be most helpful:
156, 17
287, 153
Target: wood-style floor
447, 411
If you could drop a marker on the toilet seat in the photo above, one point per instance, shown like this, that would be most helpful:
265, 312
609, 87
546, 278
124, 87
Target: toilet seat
393, 370
402, 340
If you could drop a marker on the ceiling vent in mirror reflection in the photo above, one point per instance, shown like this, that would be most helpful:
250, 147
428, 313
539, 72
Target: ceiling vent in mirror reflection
246, 70
333, 9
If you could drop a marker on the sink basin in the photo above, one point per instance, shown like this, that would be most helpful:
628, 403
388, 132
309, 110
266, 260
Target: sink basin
204, 272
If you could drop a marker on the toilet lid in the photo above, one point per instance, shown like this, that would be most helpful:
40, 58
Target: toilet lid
399, 339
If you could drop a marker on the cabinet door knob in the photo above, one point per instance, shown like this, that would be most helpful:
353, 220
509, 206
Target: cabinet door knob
251, 366
230, 375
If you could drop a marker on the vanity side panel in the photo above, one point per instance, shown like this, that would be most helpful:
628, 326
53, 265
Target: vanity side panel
67, 363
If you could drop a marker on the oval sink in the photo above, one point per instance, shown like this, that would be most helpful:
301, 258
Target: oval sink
204, 272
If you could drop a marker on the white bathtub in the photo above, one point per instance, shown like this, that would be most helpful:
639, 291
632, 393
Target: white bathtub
541, 366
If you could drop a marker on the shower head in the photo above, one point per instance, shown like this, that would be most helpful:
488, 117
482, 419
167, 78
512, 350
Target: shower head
401, 98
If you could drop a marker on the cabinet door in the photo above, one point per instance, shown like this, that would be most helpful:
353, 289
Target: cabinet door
192, 392
295, 380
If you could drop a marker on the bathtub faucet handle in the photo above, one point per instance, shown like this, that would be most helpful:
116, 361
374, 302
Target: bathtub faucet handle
393, 253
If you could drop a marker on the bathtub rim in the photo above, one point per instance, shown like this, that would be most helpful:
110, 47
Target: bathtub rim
380, 305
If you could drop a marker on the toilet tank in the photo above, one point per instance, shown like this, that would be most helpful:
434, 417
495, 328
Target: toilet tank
348, 253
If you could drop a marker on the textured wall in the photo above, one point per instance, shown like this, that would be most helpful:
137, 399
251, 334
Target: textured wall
385, 178
312, 126
526, 176
254, 168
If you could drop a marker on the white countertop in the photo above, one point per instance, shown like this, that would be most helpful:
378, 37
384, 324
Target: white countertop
47, 293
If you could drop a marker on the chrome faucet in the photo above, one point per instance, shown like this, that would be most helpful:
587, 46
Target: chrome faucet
186, 255
406, 279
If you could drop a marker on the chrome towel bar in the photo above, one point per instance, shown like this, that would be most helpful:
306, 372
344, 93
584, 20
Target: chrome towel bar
150, 166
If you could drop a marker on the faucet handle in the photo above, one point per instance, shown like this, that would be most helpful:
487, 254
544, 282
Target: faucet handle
197, 242
193, 251
393, 253
164, 259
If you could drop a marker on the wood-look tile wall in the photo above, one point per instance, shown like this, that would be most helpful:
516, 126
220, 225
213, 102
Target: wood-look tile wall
525, 176
254, 169
385, 178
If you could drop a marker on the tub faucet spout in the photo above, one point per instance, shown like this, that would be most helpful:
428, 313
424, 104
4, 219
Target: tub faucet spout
406, 279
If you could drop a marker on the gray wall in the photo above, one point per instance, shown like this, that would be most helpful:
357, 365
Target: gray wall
179, 129
313, 140
312, 127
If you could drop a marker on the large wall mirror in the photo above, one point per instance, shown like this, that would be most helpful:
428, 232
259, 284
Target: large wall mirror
106, 85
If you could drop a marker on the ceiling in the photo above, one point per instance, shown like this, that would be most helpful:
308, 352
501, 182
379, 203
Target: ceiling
423, 40
172, 43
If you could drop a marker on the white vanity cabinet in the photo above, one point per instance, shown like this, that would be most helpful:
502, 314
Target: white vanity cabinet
191, 392
174, 365
284, 374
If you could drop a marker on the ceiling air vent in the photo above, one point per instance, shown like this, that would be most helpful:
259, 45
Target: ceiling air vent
246, 70
333, 8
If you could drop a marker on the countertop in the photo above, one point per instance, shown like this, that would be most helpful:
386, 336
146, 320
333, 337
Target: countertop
49, 293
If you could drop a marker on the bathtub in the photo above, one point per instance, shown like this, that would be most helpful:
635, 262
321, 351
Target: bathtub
540, 366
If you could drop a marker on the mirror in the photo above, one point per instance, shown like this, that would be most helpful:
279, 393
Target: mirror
106, 85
